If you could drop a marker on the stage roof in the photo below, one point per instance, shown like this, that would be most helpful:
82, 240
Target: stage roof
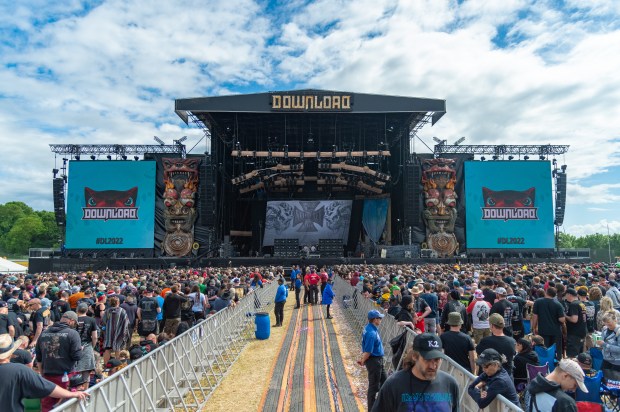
295, 113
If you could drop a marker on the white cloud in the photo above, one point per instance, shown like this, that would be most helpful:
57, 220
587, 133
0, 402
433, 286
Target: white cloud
595, 194
592, 228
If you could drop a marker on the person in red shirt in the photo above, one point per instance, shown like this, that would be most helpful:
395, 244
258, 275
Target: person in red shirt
314, 280
307, 297
324, 278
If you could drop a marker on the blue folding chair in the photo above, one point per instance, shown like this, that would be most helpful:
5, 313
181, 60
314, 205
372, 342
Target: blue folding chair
597, 358
593, 384
527, 326
546, 356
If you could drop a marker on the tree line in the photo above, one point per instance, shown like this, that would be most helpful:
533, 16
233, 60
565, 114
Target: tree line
22, 227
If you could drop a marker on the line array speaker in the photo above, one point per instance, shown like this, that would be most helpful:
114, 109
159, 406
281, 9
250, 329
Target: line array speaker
58, 189
560, 198
206, 206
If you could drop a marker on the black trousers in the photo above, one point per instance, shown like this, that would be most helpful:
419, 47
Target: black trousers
557, 339
306, 294
328, 315
297, 299
279, 310
314, 294
376, 378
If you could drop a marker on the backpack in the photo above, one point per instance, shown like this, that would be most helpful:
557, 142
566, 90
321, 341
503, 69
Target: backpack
55, 312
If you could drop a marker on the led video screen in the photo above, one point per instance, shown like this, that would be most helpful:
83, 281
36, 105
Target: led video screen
110, 205
509, 205
307, 221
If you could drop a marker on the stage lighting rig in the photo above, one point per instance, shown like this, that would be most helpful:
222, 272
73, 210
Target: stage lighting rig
136, 158
92, 157
124, 157
526, 158
109, 157
510, 157
55, 172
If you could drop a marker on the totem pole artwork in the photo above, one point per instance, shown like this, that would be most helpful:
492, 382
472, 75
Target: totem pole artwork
439, 178
181, 180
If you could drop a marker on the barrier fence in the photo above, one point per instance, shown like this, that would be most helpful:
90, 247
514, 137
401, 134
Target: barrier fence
182, 374
356, 307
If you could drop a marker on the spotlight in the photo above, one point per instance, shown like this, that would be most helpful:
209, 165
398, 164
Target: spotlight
55, 172
510, 157
136, 158
483, 158
77, 157
496, 157
92, 157
109, 157
526, 158
564, 168
124, 157
541, 157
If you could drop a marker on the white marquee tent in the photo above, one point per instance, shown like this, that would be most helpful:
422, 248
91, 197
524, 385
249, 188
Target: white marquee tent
6, 266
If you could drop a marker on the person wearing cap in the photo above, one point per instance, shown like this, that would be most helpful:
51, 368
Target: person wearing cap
457, 345
372, 356
420, 385
57, 351
479, 310
547, 393
503, 307
420, 308
493, 381
20, 382
584, 359
89, 334
40, 318
547, 320
505, 345
576, 328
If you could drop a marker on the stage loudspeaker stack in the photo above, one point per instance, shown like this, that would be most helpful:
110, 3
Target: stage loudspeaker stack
59, 200
560, 198
331, 248
412, 192
206, 205
286, 248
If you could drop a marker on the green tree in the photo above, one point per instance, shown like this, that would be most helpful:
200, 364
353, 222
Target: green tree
10, 213
566, 240
51, 233
19, 238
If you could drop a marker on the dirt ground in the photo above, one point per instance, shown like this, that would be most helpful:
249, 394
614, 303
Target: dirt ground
248, 379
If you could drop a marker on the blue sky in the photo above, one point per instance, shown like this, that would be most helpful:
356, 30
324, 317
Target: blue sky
511, 71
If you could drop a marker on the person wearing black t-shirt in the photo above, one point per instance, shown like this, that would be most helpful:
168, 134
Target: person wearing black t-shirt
576, 328
504, 308
147, 314
500, 342
457, 345
547, 320
420, 385
88, 330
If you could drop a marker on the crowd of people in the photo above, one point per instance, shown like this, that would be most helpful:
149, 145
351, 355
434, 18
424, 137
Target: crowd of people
63, 332
489, 319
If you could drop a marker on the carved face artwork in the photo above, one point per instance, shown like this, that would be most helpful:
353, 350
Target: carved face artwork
181, 180
439, 178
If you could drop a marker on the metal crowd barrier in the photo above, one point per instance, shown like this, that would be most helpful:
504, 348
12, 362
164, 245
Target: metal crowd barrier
183, 373
356, 307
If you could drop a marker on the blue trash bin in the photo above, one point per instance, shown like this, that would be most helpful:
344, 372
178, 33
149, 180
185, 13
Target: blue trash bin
263, 326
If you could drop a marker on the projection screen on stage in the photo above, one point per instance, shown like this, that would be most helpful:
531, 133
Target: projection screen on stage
307, 221
111, 205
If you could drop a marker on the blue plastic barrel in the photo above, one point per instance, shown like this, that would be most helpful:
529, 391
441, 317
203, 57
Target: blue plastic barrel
263, 326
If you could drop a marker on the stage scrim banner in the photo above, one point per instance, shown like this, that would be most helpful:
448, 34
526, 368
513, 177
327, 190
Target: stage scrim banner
509, 205
307, 221
110, 205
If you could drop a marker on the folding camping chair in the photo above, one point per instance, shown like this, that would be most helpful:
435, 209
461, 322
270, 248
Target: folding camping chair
597, 358
593, 384
546, 356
